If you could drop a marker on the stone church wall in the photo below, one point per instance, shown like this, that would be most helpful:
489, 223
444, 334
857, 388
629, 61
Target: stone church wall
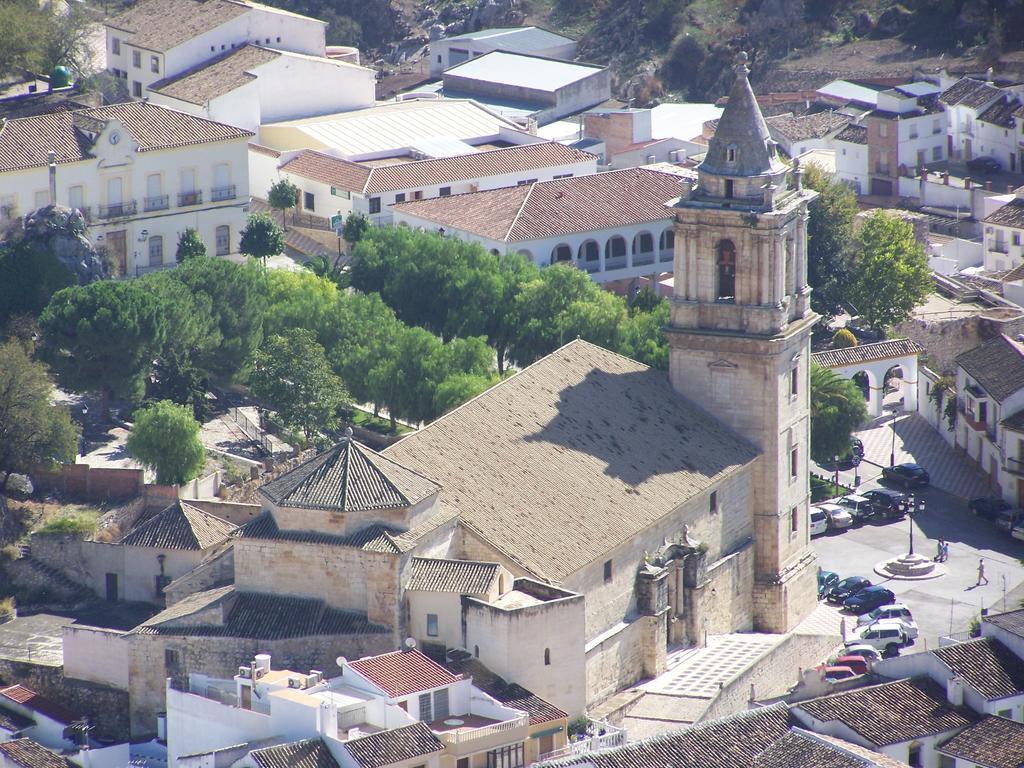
618, 658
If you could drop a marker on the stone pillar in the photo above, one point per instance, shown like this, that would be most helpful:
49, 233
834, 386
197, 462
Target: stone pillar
910, 378
766, 272
691, 275
779, 271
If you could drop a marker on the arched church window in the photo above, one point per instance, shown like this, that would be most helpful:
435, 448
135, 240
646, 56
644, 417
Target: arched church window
726, 263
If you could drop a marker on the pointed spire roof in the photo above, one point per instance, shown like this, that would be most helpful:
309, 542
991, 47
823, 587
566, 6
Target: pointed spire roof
741, 128
349, 477
180, 526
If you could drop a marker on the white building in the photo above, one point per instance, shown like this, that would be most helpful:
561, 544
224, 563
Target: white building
629, 140
376, 704
254, 84
1000, 130
450, 51
141, 174
330, 185
26, 714
965, 101
1004, 235
799, 134
851, 150
990, 418
156, 39
614, 225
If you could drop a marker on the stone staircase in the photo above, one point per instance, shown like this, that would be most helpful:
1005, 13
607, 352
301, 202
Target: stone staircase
37, 577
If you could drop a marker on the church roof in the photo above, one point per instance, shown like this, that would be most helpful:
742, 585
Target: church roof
572, 456
349, 477
743, 128
180, 526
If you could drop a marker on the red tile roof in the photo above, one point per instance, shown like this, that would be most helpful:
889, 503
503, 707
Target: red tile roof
19, 694
403, 672
425, 173
552, 208
28, 754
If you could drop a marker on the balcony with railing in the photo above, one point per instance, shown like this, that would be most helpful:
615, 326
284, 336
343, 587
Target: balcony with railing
157, 203
220, 194
461, 730
117, 210
190, 198
666, 256
999, 246
615, 262
643, 259
599, 735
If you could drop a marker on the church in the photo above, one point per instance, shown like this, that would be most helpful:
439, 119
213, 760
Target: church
569, 524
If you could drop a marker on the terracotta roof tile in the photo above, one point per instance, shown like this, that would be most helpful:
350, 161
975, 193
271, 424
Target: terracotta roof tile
12, 722
349, 477
891, 713
160, 25
854, 134
403, 672
373, 538
997, 365
799, 749
995, 742
180, 526
880, 350
19, 694
463, 576
394, 746
216, 77
328, 169
1009, 215
597, 447
28, 754
804, 127
311, 753
552, 208
986, 665
26, 142
970, 93
1001, 112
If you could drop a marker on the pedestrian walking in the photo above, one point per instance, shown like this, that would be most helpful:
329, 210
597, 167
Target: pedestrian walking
938, 551
945, 551
982, 578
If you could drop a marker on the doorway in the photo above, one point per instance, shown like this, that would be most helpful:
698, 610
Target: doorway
118, 249
111, 591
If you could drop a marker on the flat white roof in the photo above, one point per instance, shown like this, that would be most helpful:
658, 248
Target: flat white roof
522, 38
681, 121
398, 125
523, 71
844, 89
919, 88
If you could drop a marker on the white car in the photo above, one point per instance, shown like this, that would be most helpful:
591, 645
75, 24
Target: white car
891, 611
819, 521
838, 517
908, 626
885, 636
868, 652
858, 506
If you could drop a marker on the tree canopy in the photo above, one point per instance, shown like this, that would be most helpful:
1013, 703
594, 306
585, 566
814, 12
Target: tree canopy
282, 196
190, 245
891, 275
40, 36
829, 241
165, 437
837, 409
103, 337
261, 238
29, 276
32, 429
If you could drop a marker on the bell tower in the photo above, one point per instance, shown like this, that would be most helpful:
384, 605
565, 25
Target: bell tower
739, 336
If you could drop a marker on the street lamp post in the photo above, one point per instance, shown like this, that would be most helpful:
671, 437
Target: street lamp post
892, 453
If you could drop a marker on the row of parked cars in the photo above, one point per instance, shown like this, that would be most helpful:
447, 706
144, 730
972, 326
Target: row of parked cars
1005, 516
855, 509
883, 624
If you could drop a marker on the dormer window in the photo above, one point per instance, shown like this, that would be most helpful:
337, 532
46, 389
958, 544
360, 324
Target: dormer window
730, 153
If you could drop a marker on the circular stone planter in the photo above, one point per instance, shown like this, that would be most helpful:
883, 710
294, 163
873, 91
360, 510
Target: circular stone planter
909, 567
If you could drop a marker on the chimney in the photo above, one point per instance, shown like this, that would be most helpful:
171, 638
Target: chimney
990, 76
52, 156
968, 183
263, 663
955, 691
945, 178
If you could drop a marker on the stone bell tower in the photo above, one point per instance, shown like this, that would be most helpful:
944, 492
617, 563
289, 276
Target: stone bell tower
740, 335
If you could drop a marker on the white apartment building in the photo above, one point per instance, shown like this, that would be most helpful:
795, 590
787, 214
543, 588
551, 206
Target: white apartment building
255, 84
614, 225
156, 39
1000, 130
990, 418
330, 185
140, 174
450, 51
965, 101
375, 705
1004, 235
851, 148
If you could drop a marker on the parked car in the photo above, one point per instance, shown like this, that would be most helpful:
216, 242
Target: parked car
868, 599
909, 627
1007, 519
833, 673
848, 587
838, 517
826, 580
859, 507
1018, 531
857, 663
866, 652
908, 475
890, 611
988, 507
984, 165
819, 521
887, 637
887, 503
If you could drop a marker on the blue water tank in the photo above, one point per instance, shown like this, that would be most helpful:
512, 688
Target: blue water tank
60, 77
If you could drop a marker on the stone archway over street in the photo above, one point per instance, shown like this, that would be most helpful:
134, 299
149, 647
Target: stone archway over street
875, 361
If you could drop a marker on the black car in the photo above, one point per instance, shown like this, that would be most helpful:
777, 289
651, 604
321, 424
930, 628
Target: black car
887, 503
988, 507
847, 588
984, 165
868, 599
908, 475
826, 581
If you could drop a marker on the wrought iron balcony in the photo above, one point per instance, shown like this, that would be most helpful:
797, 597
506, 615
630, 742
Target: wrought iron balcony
219, 194
117, 210
190, 198
158, 203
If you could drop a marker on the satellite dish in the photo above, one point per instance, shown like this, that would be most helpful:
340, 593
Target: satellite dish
410, 643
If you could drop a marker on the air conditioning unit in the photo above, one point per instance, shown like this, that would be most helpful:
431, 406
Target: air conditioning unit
260, 672
310, 681
245, 672
651, 159
296, 682
318, 673
673, 156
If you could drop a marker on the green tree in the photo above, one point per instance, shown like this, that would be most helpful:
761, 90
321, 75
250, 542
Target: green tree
165, 437
301, 300
843, 338
367, 333
103, 337
404, 381
891, 276
29, 276
643, 337
829, 241
356, 227
32, 429
261, 238
457, 389
236, 297
291, 374
190, 245
514, 271
282, 196
39, 36
837, 409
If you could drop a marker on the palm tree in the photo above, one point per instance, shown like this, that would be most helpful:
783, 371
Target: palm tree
837, 408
